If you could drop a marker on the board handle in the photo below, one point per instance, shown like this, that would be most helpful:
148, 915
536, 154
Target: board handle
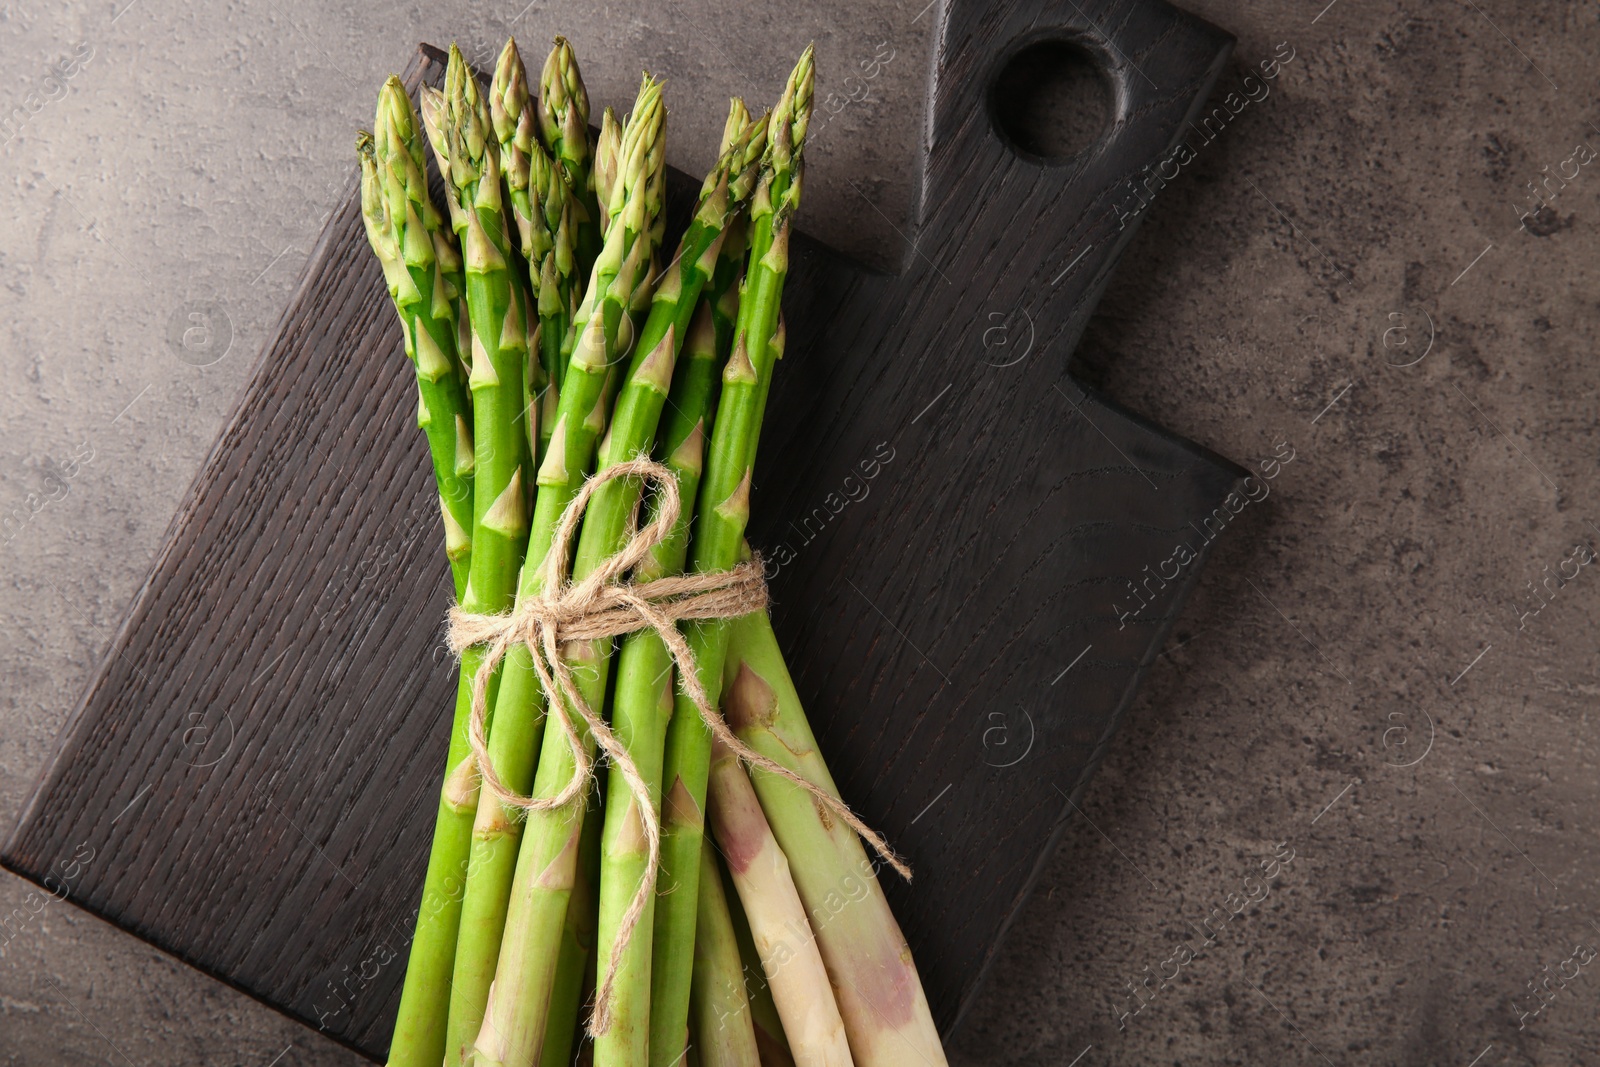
1160, 63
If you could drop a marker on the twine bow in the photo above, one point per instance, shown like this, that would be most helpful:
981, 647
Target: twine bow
605, 605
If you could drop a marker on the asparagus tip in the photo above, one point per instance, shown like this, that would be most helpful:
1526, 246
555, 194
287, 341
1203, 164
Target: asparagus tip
508, 91
564, 103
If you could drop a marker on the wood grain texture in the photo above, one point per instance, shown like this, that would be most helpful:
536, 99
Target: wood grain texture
255, 763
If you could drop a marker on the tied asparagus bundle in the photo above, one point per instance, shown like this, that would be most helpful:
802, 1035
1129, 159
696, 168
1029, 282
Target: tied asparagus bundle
556, 345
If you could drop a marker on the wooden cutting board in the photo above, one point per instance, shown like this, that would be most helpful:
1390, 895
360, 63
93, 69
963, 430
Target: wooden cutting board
957, 529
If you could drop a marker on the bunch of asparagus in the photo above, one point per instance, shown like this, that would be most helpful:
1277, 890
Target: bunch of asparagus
552, 337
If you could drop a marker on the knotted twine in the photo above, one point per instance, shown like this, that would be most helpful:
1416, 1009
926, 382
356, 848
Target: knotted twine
606, 605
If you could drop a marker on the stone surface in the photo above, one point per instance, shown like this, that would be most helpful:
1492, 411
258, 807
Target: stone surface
1331, 643
163, 196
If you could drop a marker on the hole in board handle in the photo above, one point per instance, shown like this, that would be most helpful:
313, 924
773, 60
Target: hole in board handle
1052, 100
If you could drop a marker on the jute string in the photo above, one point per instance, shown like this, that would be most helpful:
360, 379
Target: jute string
605, 605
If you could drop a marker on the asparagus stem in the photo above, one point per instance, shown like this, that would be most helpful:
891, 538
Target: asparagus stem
532, 186
784, 939
764, 1019
417, 254
625, 858
640, 710
726, 280
722, 512
532, 879
575, 968
564, 118
497, 308
557, 283
880, 996
644, 702
723, 1034
633, 430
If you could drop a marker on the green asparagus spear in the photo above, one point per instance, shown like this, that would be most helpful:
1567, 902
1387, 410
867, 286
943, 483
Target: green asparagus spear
544, 210
408, 236
633, 430
431, 107
642, 704
530, 885
509, 109
643, 701
723, 1030
604, 529
575, 968
641, 708
564, 118
482, 916
497, 309
722, 512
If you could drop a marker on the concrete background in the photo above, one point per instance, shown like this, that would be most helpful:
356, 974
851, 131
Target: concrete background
1361, 677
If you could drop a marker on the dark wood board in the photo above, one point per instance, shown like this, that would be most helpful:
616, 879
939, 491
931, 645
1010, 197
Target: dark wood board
952, 524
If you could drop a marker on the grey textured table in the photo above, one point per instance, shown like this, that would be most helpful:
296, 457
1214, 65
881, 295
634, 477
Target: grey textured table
1363, 677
